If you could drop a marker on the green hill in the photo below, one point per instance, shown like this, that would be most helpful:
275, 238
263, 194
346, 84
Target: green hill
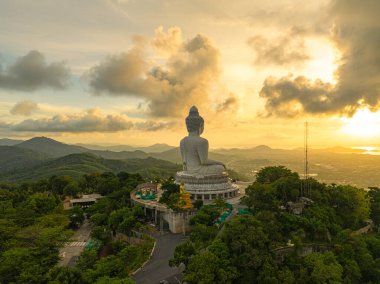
12, 157
51, 147
76, 165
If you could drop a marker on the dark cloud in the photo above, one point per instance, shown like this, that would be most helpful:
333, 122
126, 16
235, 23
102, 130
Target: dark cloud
169, 89
356, 35
91, 120
283, 50
230, 103
31, 72
25, 108
291, 96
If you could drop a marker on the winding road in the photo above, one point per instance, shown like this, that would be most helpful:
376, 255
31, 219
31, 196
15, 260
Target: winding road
158, 268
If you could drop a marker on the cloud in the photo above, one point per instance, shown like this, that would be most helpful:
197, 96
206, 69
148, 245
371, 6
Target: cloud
356, 34
230, 103
31, 72
167, 43
151, 125
283, 50
25, 108
169, 88
91, 120
4, 125
289, 96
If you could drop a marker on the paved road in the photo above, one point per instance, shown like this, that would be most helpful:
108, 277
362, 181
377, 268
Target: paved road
158, 267
73, 249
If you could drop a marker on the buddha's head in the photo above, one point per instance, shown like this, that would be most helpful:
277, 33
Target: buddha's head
194, 122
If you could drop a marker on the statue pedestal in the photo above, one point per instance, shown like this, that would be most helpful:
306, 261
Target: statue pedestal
208, 187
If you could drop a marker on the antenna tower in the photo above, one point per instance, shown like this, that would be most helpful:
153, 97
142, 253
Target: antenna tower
306, 186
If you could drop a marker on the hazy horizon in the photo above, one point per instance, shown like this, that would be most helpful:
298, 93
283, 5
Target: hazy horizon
372, 150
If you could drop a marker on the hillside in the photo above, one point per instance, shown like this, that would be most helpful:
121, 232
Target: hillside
12, 157
331, 165
155, 148
51, 147
76, 165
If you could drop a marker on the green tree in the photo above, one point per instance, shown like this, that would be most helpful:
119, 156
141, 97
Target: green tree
109, 280
89, 182
7, 230
182, 254
101, 233
76, 215
261, 197
107, 183
249, 246
272, 174
207, 215
65, 275
202, 235
71, 189
211, 266
13, 262
110, 266
374, 197
169, 188
58, 183
87, 259
321, 268
41, 203
351, 205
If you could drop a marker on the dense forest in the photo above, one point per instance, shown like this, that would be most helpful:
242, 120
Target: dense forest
271, 243
34, 225
289, 231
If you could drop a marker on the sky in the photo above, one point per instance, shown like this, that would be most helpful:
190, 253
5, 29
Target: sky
127, 71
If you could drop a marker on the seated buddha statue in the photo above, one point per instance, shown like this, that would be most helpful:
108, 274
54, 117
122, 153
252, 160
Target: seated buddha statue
194, 149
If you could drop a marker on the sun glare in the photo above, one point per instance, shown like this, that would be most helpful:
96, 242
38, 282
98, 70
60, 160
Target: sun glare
363, 124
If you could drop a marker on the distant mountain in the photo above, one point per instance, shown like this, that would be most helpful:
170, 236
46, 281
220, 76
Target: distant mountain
155, 148
76, 165
336, 164
117, 148
262, 148
16, 158
259, 152
172, 155
9, 142
51, 147
120, 155
339, 149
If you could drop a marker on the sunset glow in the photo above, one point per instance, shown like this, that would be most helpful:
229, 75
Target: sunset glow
363, 124
126, 72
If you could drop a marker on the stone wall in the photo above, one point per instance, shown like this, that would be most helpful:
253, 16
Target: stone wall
178, 221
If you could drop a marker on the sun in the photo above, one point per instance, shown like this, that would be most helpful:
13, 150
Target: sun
364, 123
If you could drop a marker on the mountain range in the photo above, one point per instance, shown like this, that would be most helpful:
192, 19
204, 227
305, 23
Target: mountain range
40, 156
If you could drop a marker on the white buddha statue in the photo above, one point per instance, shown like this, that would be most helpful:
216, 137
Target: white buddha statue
194, 149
